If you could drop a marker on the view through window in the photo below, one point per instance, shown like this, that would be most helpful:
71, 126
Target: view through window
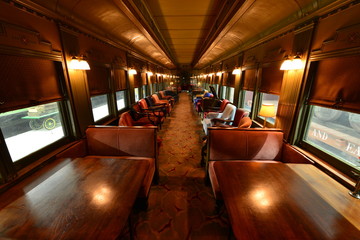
120, 100
137, 97
336, 133
100, 106
31, 128
247, 103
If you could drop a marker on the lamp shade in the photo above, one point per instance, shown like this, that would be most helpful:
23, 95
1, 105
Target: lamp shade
132, 71
297, 63
267, 110
77, 64
286, 65
236, 71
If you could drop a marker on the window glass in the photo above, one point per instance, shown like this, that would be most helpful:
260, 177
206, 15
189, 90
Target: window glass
137, 97
270, 99
216, 86
100, 107
30, 129
231, 94
223, 92
336, 133
144, 90
247, 103
120, 99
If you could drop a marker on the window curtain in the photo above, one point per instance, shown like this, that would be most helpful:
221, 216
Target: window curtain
249, 80
120, 79
336, 83
98, 80
25, 81
271, 79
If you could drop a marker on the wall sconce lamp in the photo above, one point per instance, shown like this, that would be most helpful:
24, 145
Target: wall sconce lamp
266, 111
218, 74
79, 63
292, 64
132, 71
149, 74
236, 71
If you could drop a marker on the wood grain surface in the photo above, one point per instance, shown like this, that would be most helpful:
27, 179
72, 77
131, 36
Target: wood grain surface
286, 201
84, 198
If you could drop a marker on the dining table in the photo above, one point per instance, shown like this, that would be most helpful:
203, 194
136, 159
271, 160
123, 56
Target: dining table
80, 198
286, 201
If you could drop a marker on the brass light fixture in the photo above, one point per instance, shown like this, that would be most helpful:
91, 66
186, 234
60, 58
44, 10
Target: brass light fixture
79, 63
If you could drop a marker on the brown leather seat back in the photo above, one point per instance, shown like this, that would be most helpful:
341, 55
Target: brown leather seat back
245, 122
245, 144
126, 119
143, 104
239, 114
121, 141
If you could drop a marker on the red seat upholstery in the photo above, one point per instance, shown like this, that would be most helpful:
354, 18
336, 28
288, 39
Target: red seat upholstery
254, 144
158, 111
126, 120
163, 102
165, 97
137, 114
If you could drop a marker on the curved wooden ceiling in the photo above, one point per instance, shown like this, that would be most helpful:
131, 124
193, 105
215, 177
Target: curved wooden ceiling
184, 33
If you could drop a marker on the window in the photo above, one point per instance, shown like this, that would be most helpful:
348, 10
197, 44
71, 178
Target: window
121, 100
231, 94
137, 97
223, 92
31, 128
216, 86
144, 90
336, 133
270, 99
100, 106
247, 102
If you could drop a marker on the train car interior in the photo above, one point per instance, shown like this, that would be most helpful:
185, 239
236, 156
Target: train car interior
177, 120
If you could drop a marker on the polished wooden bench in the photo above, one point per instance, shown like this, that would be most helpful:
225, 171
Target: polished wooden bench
132, 142
247, 144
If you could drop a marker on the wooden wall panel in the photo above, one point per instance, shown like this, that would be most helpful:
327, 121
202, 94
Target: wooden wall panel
22, 29
338, 30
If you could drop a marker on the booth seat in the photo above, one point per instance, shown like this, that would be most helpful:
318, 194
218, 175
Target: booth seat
163, 96
166, 103
126, 119
247, 144
123, 143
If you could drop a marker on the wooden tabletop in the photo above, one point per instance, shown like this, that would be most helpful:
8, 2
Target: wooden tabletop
286, 201
83, 198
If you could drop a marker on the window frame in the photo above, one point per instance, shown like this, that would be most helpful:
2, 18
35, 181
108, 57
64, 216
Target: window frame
336, 163
108, 107
125, 91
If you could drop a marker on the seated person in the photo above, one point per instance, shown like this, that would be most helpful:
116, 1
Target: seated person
228, 114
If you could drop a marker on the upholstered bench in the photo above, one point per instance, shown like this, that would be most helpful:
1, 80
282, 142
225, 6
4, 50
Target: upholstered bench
249, 144
130, 143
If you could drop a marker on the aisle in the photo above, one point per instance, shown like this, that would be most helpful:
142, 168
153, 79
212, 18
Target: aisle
181, 206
